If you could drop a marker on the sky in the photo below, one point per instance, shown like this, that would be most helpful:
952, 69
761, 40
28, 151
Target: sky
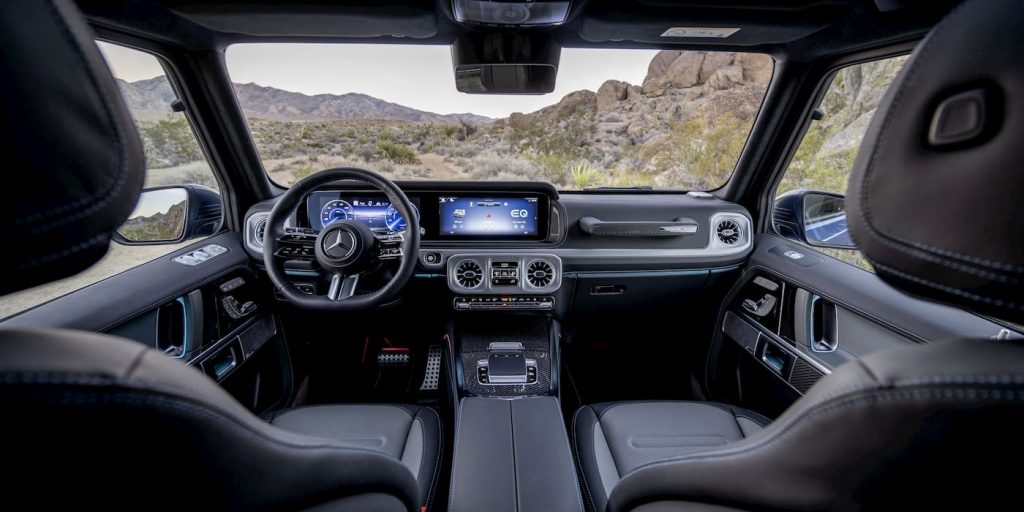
417, 76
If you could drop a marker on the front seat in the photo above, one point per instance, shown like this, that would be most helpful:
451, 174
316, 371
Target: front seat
935, 204
90, 419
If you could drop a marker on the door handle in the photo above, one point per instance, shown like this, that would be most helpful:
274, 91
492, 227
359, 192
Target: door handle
823, 325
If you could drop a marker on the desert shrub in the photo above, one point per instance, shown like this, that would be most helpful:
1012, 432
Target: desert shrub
385, 167
367, 152
302, 171
169, 142
697, 153
447, 132
551, 167
585, 175
397, 153
467, 150
491, 167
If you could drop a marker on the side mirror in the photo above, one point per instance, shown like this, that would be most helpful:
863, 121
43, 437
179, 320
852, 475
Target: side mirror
814, 218
170, 215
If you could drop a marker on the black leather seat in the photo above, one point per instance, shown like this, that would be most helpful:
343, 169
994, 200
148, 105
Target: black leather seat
93, 420
934, 204
613, 439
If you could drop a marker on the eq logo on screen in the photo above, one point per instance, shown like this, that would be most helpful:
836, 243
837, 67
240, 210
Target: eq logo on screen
521, 213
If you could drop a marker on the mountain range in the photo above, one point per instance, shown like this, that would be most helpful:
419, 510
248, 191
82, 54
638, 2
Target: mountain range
151, 98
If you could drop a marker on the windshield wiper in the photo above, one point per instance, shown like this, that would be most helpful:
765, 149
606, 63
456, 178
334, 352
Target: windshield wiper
613, 189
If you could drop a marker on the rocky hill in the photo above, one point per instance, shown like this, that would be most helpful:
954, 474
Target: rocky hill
151, 99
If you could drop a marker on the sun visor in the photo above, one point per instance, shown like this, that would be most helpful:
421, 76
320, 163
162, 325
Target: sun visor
341, 19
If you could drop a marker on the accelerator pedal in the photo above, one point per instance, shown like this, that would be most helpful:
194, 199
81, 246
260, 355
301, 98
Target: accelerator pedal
433, 370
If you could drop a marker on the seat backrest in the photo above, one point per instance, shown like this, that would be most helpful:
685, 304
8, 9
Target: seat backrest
89, 419
93, 419
935, 204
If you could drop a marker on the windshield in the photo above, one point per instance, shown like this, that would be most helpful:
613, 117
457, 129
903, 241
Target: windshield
617, 118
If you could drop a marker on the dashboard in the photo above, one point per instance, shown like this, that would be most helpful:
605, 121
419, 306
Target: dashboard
442, 215
525, 246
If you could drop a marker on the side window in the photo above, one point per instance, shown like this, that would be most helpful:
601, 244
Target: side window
173, 157
824, 159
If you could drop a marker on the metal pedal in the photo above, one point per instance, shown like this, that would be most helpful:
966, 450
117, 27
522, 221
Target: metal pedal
433, 370
394, 358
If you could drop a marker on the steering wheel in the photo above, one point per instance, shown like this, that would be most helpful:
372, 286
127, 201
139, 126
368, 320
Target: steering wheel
345, 249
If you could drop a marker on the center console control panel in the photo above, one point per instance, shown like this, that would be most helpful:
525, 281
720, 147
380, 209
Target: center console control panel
504, 281
506, 364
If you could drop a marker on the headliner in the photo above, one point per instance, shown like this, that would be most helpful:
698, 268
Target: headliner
800, 30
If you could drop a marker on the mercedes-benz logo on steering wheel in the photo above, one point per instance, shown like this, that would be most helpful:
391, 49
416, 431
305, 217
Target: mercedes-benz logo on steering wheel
340, 244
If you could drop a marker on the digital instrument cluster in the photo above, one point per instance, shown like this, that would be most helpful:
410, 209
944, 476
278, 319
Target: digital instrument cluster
326, 208
442, 215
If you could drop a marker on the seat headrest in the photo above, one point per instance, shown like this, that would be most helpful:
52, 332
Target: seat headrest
73, 158
936, 197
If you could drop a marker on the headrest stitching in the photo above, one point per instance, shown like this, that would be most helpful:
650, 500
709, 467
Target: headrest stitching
955, 291
105, 194
865, 211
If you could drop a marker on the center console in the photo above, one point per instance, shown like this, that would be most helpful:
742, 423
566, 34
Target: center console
512, 455
511, 448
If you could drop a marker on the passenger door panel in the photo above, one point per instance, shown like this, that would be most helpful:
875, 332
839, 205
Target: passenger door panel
796, 315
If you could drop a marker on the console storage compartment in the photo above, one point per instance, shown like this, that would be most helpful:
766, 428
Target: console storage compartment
512, 456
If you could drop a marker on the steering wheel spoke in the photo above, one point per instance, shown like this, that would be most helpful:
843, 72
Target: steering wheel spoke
389, 246
342, 286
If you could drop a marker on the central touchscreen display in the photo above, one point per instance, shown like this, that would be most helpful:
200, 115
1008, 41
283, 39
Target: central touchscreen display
488, 216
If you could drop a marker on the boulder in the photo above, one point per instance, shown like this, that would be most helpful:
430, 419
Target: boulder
610, 94
634, 92
757, 67
660, 63
726, 78
577, 101
685, 70
518, 120
713, 61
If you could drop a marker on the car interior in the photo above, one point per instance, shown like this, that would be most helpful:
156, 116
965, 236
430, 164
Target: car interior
501, 315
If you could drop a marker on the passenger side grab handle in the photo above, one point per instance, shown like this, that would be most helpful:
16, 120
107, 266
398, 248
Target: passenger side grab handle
679, 227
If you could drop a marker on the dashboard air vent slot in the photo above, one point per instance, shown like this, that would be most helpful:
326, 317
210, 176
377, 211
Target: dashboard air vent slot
469, 274
540, 274
259, 231
728, 232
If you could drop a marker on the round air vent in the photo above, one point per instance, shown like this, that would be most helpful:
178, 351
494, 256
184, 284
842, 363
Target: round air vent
540, 274
259, 231
469, 274
728, 232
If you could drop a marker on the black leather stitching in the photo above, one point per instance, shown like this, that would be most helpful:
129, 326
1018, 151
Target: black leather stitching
876, 150
437, 461
820, 408
948, 289
105, 193
579, 460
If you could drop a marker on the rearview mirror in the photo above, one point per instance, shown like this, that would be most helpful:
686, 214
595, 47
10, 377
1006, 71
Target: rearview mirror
505, 78
814, 218
168, 215
502, 63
